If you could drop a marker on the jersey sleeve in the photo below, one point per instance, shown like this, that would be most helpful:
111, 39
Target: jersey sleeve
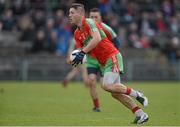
90, 24
110, 30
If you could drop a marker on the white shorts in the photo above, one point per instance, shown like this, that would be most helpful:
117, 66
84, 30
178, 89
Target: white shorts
111, 78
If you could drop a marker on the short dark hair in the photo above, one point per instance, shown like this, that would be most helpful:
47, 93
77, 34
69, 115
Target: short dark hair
77, 5
95, 10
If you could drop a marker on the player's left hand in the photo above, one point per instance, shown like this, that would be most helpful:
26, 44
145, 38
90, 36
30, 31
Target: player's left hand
79, 58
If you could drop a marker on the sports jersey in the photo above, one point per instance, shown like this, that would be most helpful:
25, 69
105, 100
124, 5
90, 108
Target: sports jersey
103, 50
108, 31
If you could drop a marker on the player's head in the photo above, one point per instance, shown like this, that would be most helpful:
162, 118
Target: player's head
95, 14
76, 13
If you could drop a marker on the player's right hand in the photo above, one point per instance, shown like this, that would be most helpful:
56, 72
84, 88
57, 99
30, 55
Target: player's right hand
79, 58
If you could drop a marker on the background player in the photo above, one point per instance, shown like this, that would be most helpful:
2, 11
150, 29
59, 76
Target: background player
93, 67
83, 71
95, 14
91, 38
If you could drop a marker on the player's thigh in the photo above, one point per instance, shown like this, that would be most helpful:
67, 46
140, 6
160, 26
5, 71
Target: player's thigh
93, 68
92, 77
114, 64
112, 70
84, 72
111, 78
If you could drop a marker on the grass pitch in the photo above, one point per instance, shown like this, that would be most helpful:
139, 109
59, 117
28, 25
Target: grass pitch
48, 103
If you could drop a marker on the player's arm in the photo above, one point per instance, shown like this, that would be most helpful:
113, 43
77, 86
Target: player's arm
70, 49
115, 39
116, 42
96, 38
112, 34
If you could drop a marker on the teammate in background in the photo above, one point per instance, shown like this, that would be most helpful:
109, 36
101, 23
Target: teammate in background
80, 69
92, 40
95, 14
93, 67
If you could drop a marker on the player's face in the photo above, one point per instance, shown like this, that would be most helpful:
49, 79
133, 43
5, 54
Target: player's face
95, 16
73, 15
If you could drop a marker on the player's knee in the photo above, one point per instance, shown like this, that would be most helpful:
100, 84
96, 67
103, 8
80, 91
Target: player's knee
86, 82
106, 87
92, 79
115, 95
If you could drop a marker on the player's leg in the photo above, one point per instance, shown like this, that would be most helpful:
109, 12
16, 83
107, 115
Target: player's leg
93, 68
130, 104
70, 76
126, 100
111, 83
92, 75
84, 75
115, 64
120, 88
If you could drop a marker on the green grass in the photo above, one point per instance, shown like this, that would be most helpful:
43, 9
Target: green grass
48, 103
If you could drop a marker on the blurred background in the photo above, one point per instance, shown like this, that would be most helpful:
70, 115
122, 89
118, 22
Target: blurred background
35, 36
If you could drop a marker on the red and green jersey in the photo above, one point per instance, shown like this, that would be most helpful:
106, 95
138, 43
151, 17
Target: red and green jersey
104, 48
108, 31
